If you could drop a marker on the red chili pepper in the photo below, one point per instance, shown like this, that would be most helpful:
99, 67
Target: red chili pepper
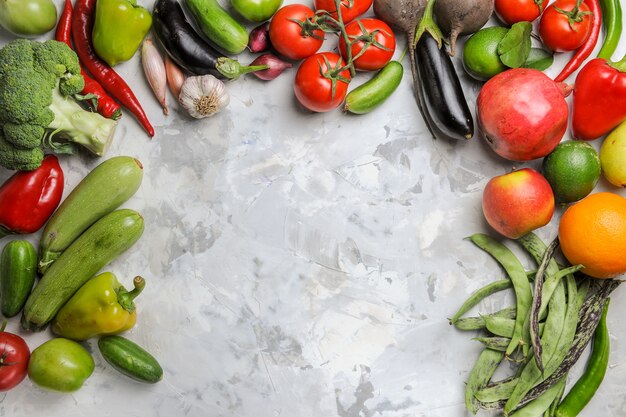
28, 198
82, 24
599, 103
584, 51
104, 104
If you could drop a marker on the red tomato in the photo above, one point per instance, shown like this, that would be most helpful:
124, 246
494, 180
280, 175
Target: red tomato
350, 9
513, 11
378, 41
14, 356
314, 82
555, 29
295, 40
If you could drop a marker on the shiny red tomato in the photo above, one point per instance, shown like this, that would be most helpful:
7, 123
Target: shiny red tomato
350, 9
565, 25
295, 39
321, 84
377, 39
513, 11
14, 356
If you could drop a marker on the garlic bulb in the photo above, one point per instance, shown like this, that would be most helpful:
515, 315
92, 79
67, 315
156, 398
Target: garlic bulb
203, 96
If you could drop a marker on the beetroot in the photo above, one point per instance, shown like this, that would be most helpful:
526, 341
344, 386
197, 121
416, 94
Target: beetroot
523, 113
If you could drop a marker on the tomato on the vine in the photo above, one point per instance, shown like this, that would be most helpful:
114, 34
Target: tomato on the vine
293, 33
565, 25
514, 11
321, 82
14, 356
350, 9
374, 44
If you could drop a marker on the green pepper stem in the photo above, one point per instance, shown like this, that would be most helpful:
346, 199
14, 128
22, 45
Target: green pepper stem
619, 65
125, 298
232, 69
427, 24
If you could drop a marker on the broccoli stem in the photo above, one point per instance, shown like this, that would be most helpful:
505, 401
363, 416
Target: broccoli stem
74, 124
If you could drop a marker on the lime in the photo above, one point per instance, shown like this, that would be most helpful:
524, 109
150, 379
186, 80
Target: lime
480, 54
613, 157
572, 169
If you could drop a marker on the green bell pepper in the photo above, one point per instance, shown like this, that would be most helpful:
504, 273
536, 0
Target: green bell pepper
119, 28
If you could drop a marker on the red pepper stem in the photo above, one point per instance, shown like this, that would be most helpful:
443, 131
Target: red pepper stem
4, 325
619, 65
4, 232
125, 298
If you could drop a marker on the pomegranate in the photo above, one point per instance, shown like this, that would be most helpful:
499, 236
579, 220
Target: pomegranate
523, 113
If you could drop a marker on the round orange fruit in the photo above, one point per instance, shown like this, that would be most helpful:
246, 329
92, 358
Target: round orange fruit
592, 232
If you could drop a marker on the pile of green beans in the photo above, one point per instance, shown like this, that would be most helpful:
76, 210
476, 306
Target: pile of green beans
555, 316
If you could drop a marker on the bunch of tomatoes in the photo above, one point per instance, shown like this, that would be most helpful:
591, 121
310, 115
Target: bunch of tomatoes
565, 24
297, 32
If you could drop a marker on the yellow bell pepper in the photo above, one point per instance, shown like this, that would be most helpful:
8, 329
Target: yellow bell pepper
100, 307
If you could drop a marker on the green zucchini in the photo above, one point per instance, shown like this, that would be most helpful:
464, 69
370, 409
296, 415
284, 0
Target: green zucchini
100, 244
18, 268
373, 93
218, 26
130, 359
103, 190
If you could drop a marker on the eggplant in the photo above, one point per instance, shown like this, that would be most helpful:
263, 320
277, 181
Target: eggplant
187, 48
441, 90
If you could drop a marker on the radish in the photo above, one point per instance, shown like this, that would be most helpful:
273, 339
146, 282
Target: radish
523, 113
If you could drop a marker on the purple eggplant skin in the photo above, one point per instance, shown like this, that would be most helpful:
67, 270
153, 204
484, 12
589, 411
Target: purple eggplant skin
442, 93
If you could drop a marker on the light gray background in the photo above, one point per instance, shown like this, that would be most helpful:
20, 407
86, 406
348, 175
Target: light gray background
299, 264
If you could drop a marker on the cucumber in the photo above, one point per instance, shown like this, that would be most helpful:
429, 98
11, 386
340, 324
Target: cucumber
103, 190
130, 359
373, 93
218, 26
18, 268
100, 244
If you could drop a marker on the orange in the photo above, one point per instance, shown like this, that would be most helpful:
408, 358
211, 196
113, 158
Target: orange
593, 233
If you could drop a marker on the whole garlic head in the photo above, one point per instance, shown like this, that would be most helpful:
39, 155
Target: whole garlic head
203, 96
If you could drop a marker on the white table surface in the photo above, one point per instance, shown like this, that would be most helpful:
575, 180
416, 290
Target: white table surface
300, 264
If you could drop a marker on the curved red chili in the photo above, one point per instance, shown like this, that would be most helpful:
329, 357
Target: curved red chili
584, 51
82, 24
105, 105
28, 198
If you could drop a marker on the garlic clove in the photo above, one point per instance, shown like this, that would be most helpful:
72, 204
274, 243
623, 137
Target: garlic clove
203, 96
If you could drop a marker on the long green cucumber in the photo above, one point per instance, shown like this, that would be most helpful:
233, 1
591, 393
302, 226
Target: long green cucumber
18, 268
218, 26
373, 93
103, 190
108, 238
130, 359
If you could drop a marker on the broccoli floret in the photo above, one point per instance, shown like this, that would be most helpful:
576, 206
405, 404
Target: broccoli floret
38, 82
19, 159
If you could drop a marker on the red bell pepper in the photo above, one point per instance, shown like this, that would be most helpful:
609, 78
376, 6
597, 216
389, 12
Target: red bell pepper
599, 101
28, 198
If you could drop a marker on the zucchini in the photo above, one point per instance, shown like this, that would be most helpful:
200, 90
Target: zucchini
218, 26
18, 268
103, 190
100, 244
130, 359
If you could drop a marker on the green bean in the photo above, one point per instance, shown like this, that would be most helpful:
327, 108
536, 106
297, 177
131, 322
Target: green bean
585, 388
552, 410
531, 375
589, 317
550, 285
521, 285
500, 391
495, 343
481, 374
542, 403
483, 293
612, 20
536, 304
500, 326
478, 323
